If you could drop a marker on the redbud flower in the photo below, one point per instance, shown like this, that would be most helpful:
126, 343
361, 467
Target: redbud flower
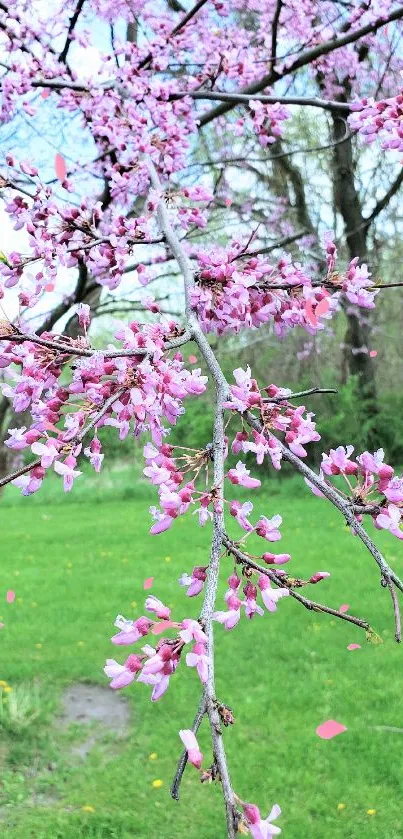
321, 575
130, 631
268, 528
192, 747
276, 559
84, 314
261, 828
240, 475
122, 675
270, 596
152, 604
198, 658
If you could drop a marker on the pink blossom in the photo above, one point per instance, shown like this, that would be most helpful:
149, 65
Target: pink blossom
393, 491
251, 606
48, 452
268, 528
17, 439
338, 461
260, 447
374, 463
390, 520
162, 522
318, 576
157, 474
276, 559
160, 682
270, 596
241, 513
240, 475
195, 581
192, 631
192, 747
261, 828
152, 604
198, 658
93, 452
84, 314
122, 674
68, 473
130, 631
230, 618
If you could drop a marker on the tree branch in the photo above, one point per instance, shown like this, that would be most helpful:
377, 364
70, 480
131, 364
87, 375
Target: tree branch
78, 439
301, 393
218, 452
281, 582
73, 21
184, 756
306, 57
333, 496
384, 201
63, 348
244, 99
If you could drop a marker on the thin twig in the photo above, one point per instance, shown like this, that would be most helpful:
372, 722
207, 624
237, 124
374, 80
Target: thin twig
301, 393
63, 348
333, 496
184, 756
281, 582
396, 612
73, 21
244, 99
78, 439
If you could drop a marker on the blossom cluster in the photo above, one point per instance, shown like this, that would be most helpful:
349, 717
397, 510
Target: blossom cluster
234, 291
370, 482
270, 597
381, 119
148, 385
277, 414
156, 665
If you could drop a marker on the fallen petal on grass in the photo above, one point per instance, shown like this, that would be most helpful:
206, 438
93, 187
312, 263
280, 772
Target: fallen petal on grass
329, 729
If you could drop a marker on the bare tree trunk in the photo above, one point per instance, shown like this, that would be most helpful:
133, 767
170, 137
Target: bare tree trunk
357, 361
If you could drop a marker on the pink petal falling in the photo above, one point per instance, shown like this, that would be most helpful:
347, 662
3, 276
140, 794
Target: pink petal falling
60, 167
354, 647
148, 583
10, 596
330, 729
161, 626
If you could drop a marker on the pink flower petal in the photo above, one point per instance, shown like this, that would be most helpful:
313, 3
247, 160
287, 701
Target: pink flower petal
344, 607
310, 314
148, 583
10, 596
160, 627
60, 167
373, 353
330, 729
193, 359
322, 307
354, 647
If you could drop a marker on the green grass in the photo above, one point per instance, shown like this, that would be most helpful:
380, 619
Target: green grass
74, 566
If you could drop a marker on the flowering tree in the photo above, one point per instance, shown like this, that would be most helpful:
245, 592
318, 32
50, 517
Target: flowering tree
145, 110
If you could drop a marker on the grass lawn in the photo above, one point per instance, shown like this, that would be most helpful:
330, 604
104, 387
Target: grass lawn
74, 566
